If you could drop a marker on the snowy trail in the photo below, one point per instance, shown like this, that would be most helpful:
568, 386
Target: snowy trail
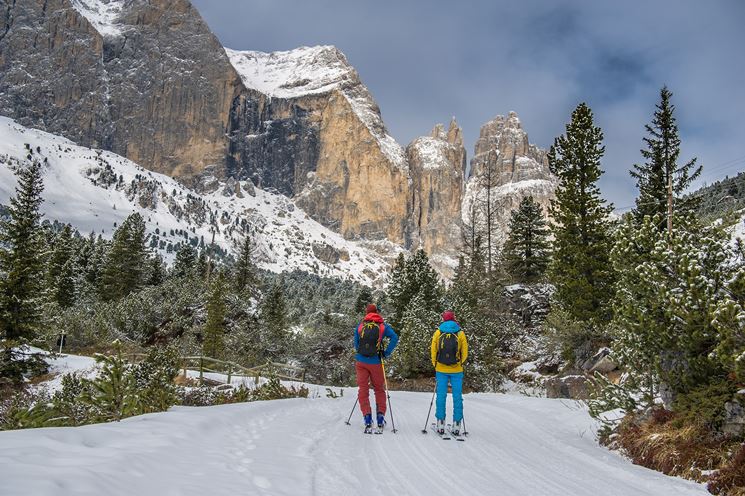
518, 446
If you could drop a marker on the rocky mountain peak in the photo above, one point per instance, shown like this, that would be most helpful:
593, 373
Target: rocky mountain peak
503, 144
455, 133
294, 73
517, 169
437, 163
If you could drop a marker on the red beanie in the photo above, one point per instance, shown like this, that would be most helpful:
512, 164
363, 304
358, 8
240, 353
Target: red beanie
449, 315
371, 308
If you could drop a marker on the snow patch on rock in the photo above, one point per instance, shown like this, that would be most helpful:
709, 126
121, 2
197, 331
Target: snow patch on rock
102, 14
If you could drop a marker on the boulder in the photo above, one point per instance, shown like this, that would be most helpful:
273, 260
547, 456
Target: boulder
734, 418
528, 303
572, 387
600, 362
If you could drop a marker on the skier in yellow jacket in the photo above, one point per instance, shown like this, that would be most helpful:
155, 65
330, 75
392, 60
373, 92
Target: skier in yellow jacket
449, 351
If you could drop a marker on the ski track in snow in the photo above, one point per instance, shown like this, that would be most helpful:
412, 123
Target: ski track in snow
517, 446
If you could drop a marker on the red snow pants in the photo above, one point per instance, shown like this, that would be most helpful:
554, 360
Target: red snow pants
367, 373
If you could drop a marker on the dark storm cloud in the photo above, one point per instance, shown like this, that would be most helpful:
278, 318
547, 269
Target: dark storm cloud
427, 61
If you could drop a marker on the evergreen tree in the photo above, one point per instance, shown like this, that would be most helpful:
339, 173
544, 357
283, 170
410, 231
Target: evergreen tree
580, 268
114, 392
409, 277
399, 292
526, 251
186, 261
661, 166
673, 303
61, 269
91, 260
245, 271
419, 322
364, 298
21, 261
214, 330
204, 265
275, 327
65, 290
124, 269
157, 273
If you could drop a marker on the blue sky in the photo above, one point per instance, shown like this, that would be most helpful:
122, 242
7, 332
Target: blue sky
427, 61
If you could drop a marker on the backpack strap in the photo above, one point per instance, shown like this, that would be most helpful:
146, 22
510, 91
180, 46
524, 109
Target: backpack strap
381, 330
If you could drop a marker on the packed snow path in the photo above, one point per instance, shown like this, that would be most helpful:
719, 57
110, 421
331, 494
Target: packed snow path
517, 446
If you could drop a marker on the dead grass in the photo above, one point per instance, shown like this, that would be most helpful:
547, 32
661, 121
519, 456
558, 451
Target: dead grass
656, 441
730, 479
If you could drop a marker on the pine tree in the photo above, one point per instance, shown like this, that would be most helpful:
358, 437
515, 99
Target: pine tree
245, 271
673, 303
124, 269
113, 393
186, 261
661, 166
364, 298
526, 251
274, 322
61, 269
157, 273
214, 329
419, 321
21, 261
65, 290
409, 277
580, 268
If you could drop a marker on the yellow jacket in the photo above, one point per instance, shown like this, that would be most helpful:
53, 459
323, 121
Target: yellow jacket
462, 348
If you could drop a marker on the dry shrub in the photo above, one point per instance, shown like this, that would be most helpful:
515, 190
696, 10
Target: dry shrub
656, 442
730, 479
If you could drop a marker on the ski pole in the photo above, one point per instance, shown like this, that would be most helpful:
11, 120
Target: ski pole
390, 407
465, 431
424, 431
350, 413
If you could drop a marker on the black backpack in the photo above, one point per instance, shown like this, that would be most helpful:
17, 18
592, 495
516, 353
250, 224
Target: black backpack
371, 336
448, 352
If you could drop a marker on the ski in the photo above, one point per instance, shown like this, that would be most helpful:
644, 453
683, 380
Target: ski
443, 436
368, 430
457, 437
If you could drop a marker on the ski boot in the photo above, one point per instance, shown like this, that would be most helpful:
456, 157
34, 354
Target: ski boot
456, 428
440, 428
368, 423
381, 423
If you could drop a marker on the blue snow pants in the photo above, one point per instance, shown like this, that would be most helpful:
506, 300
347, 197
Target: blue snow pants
456, 382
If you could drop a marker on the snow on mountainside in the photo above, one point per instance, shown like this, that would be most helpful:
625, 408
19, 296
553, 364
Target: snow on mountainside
96, 190
310, 71
102, 14
433, 152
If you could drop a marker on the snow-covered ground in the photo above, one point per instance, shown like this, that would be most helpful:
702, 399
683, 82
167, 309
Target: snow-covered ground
518, 446
78, 189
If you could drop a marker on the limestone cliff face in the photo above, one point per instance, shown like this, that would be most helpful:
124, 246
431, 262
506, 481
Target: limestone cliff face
438, 164
319, 137
511, 168
148, 80
145, 79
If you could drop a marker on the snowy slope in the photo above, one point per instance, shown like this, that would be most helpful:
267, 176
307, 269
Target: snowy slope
310, 71
95, 190
518, 446
102, 14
